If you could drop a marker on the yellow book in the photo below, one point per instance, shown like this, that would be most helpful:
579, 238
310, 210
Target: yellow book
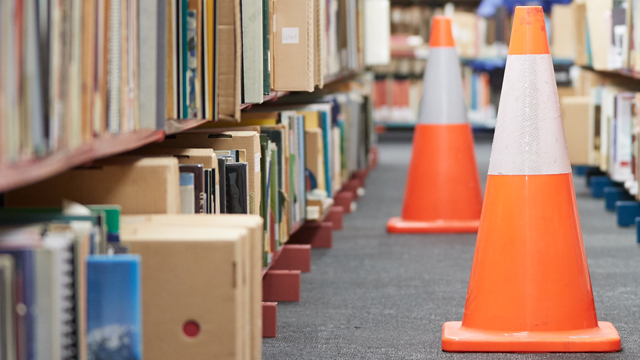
211, 108
311, 119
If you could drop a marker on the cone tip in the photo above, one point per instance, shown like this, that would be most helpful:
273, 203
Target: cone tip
529, 33
441, 35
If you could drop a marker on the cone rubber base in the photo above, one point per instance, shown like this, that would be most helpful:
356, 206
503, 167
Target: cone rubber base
398, 225
457, 338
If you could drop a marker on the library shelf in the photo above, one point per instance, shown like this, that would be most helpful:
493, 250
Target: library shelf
271, 97
625, 73
30, 171
174, 126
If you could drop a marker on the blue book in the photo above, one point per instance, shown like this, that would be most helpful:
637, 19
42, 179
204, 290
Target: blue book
325, 124
114, 307
303, 164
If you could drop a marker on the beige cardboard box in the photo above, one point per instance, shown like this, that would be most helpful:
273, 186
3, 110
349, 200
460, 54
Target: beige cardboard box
228, 140
190, 275
294, 46
139, 185
575, 115
206, 157
253, 224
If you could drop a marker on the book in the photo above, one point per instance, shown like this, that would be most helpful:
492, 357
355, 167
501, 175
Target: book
210, 20
190, 55
7, 306
229, 32
221, 193
294, 46
377, 33
266, 47
208, 191
114, 78
187, 193
252, 51
152, 17
237, 188
114, 312
198, 185
172, 62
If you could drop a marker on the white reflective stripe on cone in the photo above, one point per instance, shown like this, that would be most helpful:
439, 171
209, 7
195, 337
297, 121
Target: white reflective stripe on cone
529, 136
442, 97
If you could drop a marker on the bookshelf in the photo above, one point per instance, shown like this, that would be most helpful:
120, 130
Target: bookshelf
30, 171
23, 173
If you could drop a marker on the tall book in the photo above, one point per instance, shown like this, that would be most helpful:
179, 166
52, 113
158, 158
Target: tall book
294, 46
152, 17
210, 20
252, 51
266, 47
114, 314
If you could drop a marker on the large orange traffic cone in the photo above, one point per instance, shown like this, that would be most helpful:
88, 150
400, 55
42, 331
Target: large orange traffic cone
443, 188
530, 289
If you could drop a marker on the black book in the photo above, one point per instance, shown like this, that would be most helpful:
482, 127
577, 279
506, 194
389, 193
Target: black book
198, 185
237, 188
208, 191
222, 164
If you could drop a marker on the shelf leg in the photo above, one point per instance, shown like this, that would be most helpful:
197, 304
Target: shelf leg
317, 234
613, 194
355, 187
269, 319
344, 199
281, 285
294, 257
335, 217
627, 211
598, 183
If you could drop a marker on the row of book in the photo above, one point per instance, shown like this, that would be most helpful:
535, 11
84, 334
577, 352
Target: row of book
85, 282
396, 97
71, 70
602, 34
601, 125
180, 236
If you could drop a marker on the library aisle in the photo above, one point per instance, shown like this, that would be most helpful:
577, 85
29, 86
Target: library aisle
381, 296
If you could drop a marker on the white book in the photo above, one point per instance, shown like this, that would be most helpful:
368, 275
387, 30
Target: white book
152, 47
377, 32
252, 51
114, 67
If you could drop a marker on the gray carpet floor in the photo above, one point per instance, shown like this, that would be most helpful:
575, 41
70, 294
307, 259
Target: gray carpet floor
380, 296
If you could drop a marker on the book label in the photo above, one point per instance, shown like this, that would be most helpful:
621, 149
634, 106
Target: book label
290, 35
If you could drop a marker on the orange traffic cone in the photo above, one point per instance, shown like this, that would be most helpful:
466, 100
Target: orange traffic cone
530, 289
443, 188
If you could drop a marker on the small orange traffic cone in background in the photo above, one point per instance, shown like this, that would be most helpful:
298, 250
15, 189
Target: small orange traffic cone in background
530, 289
443, 187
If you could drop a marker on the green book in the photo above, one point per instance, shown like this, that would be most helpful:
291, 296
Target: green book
264, 146
265, 47
112, 214
274, 193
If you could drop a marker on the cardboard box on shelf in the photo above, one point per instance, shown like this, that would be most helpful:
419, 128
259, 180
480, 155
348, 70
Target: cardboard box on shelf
254, 226
227, 140
191, 279
139, 185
